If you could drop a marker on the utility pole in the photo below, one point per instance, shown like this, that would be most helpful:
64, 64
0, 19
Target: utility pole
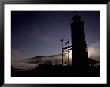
67, 49
68, 52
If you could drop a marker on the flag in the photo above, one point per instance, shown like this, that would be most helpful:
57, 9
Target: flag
61, 41
67, 42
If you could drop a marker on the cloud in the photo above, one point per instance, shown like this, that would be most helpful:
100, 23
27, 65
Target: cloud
94, 51
17, 58
22, 65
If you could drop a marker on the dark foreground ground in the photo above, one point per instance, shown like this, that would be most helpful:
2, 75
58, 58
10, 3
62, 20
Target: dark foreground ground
58, 71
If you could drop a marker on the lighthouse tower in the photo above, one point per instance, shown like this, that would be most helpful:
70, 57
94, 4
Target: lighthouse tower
79, 46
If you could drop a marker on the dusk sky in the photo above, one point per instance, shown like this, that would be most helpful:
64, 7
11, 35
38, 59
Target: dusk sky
37, 33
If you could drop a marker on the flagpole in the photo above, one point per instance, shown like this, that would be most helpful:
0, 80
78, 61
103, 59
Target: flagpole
62, 52
62, 49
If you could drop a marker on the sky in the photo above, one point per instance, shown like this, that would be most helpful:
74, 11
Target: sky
37, 33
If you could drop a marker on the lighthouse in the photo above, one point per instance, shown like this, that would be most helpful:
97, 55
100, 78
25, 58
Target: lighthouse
79, 46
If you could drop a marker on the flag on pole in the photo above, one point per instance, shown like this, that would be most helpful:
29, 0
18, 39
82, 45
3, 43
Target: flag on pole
61, 41
67, 42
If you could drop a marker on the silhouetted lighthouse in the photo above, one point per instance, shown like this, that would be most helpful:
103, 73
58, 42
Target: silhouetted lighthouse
79, 46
